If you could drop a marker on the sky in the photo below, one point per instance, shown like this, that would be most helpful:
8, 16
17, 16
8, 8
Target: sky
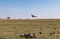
24, 8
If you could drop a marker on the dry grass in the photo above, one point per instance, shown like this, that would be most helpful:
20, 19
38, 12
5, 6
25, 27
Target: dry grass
12, 28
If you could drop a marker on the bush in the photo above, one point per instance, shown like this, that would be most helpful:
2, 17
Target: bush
2, 37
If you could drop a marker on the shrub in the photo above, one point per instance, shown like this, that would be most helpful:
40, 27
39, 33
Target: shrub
2, 38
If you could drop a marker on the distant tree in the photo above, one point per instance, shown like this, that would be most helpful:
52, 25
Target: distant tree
8, 17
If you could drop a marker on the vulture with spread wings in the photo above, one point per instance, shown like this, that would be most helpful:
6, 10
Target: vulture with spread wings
33, 16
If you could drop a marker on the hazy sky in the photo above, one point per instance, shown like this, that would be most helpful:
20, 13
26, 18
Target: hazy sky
24, 8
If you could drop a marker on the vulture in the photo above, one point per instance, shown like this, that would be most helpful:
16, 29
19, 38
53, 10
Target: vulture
33, 16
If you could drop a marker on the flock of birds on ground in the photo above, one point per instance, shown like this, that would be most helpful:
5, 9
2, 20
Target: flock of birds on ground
29, 35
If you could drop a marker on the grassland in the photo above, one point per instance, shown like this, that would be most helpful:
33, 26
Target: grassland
11, 29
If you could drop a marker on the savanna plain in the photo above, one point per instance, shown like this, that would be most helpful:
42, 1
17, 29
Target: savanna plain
12, 28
